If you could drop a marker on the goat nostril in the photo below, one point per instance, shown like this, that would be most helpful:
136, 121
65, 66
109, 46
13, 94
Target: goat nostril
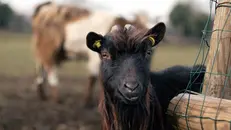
131, 86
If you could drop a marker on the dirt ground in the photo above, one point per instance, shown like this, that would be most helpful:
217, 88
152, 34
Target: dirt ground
20, 108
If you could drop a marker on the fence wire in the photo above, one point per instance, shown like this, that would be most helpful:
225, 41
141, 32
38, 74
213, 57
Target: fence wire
201, 59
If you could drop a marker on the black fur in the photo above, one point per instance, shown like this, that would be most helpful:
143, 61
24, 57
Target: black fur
60, 54
170, 82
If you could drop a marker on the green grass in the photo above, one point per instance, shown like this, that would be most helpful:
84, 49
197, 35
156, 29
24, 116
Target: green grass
15, 54
174, 54
16, 57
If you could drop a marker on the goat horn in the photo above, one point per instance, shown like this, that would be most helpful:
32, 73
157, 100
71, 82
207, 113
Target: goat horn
128, 27
114, 28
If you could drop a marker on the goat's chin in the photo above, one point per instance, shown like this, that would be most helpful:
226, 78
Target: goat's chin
129, 101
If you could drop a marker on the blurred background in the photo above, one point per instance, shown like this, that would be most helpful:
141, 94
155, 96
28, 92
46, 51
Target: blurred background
20, 109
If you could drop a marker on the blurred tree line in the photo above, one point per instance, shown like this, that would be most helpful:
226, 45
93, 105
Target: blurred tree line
188, 20
184, 18
6, 14
9, 20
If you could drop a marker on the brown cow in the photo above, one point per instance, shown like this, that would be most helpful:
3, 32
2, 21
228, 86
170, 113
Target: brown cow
59, 34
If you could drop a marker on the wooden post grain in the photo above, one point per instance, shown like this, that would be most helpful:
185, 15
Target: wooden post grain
201, 113
219, 58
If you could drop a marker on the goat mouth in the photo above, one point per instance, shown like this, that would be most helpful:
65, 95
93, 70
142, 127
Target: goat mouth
130, 97
134, 98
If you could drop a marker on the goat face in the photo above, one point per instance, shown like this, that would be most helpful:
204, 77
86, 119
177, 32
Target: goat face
126, 54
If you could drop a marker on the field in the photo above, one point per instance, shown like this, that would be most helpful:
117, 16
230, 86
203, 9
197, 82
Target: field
21, 110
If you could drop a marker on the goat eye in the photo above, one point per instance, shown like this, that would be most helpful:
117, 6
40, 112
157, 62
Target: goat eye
149, 52
105, 55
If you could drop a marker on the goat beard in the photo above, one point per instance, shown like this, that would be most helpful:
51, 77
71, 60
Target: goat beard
120, 116
132, 117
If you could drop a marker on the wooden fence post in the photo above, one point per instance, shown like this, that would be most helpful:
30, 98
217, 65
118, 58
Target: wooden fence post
219, 57
199, 113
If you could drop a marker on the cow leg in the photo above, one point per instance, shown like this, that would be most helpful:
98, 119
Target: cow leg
88, 96
53, 81
40, 82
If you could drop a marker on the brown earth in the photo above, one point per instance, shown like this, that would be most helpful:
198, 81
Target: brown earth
20, 108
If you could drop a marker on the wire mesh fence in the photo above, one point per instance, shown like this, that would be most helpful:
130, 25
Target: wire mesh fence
212, 108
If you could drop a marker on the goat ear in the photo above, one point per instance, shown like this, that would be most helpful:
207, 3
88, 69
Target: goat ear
156, 33
94, 41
